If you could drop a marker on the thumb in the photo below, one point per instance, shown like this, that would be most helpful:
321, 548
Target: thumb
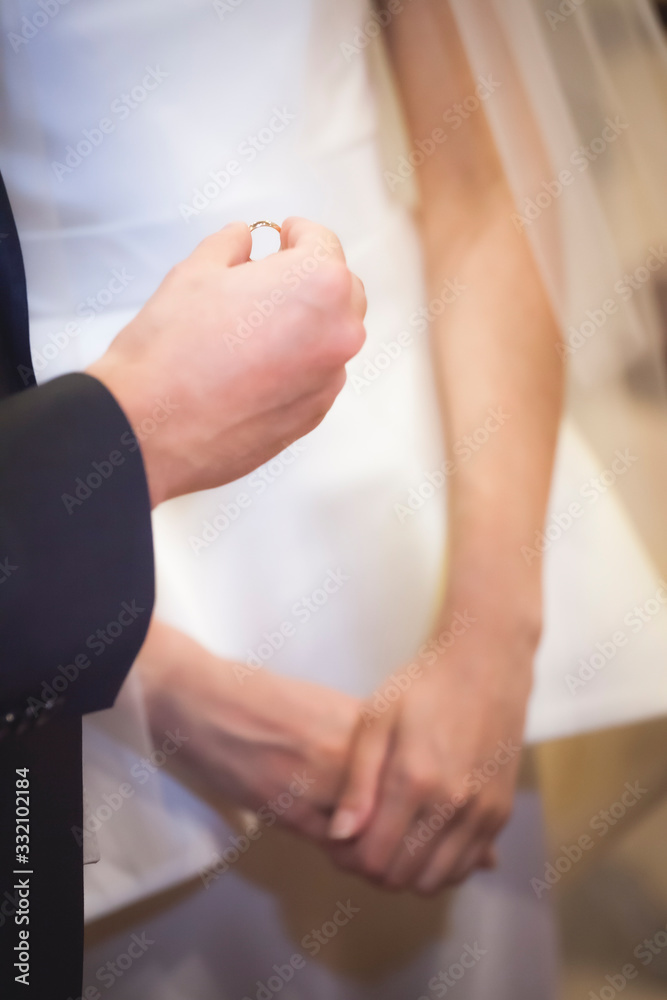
360, 789
310, 238
231, 245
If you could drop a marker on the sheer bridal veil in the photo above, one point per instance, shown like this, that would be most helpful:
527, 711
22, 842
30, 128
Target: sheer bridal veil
580, 120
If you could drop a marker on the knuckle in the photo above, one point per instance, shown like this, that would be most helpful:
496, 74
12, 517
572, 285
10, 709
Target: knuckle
460, 797
353, 338
331, 282
209, 243
207, 253
179, 272
360, 292
189, 274
414, 779
299, 323
341, 342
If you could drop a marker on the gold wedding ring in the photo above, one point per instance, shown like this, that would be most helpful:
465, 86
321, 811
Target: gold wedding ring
263, 222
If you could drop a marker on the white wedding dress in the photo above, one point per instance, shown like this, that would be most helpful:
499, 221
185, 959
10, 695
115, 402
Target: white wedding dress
129, 131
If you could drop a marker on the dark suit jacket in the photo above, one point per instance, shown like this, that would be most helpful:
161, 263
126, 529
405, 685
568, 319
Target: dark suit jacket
76, 594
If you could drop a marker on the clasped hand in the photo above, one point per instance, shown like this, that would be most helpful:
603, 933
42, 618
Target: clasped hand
411, 797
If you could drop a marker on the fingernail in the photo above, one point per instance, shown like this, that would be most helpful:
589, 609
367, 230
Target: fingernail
343, 825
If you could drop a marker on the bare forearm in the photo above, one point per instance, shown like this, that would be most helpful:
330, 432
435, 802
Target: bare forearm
499, 376
500, 389
500, 384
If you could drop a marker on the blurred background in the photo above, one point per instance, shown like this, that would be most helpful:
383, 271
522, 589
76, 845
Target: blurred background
616, 897
605, 59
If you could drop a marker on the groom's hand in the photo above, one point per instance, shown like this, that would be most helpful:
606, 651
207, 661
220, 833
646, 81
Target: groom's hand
272, 744
241, 357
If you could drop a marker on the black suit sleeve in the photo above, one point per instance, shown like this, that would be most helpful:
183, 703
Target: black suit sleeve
76, 555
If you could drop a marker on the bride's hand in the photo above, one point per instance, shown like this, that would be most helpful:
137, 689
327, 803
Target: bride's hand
249, 739
433, 772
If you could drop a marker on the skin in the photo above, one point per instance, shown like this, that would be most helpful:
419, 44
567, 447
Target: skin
233, 407
236, 405
494, 348
248, 735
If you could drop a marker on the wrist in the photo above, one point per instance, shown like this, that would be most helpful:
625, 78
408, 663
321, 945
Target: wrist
497, 608
126, 385
485, 648
488, 574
